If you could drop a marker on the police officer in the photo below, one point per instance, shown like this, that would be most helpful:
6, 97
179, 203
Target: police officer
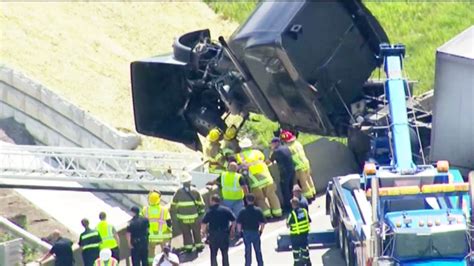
299, 223
281, 154
109, 236
160, 231
137, 238
297, 193
216, 222
188, 206
61, 249
89, 241
252, 162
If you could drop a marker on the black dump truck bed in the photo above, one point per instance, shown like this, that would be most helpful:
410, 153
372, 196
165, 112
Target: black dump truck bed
301, 64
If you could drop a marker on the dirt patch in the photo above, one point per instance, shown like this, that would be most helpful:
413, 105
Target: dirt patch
14, 206
83, 50
37, 221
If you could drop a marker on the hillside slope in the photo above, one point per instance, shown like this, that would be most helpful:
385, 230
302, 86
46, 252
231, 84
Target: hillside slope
83, 50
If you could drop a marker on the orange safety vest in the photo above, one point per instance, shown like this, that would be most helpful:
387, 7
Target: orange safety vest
111, 262
157, 216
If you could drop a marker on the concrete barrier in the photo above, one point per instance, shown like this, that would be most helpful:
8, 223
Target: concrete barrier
54, 121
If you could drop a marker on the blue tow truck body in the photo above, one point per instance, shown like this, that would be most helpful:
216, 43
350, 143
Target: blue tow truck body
400, 213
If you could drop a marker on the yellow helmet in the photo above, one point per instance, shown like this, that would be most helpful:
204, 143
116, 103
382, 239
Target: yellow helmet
230, 133
154, 197
214, 135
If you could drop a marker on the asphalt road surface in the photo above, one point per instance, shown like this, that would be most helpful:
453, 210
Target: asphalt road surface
319, 255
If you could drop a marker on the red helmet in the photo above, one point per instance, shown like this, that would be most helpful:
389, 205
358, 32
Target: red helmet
287, 136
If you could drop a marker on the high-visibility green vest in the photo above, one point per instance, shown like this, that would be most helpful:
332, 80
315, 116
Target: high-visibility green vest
300, 222
298, 156
254, 160
111, 262
187, 210
106, 232
231, 189
157, 216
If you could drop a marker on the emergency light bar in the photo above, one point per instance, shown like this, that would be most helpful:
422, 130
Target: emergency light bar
425, 189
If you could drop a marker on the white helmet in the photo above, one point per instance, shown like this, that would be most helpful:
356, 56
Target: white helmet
105, 254
185, 177
245, 143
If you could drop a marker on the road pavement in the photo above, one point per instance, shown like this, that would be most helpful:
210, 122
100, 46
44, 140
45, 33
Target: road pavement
319, 255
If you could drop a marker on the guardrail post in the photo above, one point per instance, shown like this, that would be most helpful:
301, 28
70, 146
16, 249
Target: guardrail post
11, 252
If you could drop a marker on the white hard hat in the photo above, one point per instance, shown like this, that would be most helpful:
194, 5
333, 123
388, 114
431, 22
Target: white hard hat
185, 177
105, 254
245, 143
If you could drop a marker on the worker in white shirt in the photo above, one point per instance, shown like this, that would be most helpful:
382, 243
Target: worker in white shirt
166, 258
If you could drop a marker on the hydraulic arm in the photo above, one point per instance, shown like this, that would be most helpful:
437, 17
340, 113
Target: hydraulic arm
395, 91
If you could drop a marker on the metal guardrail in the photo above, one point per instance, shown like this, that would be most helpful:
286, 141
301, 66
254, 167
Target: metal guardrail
11, 252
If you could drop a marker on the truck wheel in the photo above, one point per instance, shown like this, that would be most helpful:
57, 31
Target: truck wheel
332, 216
340, 237
349, 254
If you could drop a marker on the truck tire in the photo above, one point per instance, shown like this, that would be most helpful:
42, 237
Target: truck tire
349, 255
340, 237
333, 216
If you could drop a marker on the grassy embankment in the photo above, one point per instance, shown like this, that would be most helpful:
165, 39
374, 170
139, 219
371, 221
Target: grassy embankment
82, 51
422, 27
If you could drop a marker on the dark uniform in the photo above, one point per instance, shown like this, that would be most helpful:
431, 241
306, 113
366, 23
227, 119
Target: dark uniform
62, 250
218, 217
282, 155
138, 229
299, 223
89, 241
250, 219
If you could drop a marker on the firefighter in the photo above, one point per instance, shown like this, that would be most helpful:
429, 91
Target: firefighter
160, 231
299, 223
252, 164
109, 236
212, 152
230, 145
302, 165
188, 206
105, 259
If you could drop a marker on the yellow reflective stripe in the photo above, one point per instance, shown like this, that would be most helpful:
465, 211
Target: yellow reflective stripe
184, 203
299, 227
96, 245
186, 216
256, 183
86, 236
166, 236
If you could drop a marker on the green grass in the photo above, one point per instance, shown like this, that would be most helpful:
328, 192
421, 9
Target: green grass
421, 26
29, 253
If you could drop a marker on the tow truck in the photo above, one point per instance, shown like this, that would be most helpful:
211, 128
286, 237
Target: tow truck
401, 213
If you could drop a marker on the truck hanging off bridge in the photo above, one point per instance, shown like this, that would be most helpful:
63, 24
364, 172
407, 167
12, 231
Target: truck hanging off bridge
306, 65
